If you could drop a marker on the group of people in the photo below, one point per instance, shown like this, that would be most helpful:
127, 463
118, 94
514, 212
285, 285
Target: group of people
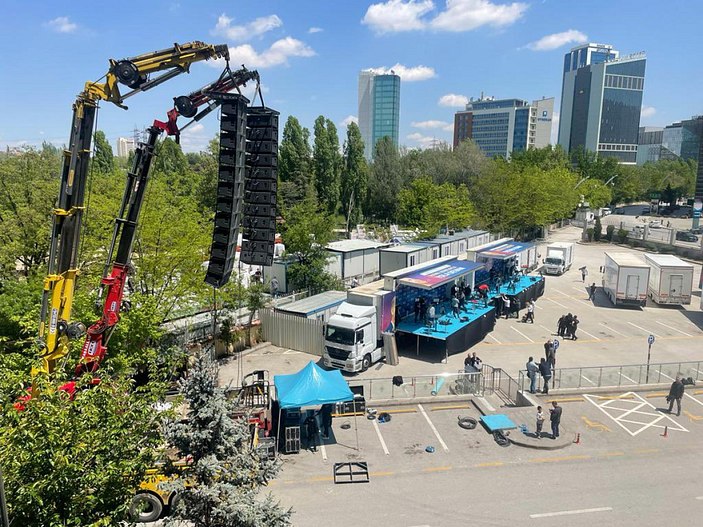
543, 369
554, 419
472, 363
428, 312
567, 326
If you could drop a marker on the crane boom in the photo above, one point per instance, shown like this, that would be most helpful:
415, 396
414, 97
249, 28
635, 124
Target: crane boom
56, 328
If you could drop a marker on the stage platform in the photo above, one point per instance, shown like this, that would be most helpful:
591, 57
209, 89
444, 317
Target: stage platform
527, 288
447, 324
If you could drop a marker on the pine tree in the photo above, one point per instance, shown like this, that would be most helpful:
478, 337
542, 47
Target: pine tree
325, 163
225, 470
354, 177
103, 160
294, 163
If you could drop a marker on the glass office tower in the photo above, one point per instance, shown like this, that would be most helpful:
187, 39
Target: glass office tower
379, 108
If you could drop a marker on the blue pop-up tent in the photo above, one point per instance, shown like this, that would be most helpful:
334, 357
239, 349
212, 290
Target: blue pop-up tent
311, 386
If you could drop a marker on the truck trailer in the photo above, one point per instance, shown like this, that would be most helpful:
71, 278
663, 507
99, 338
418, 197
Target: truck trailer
354, 334
670, 279
559, 258
625, 279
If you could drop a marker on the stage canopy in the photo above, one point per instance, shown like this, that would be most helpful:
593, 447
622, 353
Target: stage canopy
505, 250
441, 274
311, 386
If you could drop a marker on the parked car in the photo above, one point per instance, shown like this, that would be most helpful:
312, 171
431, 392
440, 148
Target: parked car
685, 236
656, 225
697, 230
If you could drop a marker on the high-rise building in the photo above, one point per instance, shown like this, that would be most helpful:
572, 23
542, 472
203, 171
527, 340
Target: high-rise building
649, 144
502, 126
379, 108
125, 146
680, 140
601, 99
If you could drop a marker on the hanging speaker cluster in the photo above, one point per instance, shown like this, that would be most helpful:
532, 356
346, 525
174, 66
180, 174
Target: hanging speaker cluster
230, 187
259, 214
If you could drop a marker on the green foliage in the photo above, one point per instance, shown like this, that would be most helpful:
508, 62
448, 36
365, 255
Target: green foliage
596, 193
76, 462
589, 234
609, 230
354, 177
326, 161
170, 162
597, 230
622, 235
294, 164
103, 160
546, 158
255, 300
227, 472
385, 182
590, 165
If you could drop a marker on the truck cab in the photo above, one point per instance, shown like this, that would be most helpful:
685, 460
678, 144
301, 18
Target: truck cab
559, 258
352, 338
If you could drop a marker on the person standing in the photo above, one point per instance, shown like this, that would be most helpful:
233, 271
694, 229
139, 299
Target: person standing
467, 291
548, 349
455, 306
462, 298
432, 315
326, 414
532, 372
584, 274
531, 312
506, 305
312, 431
546, 371
567, 324
423, 310
540, 422
561, 325
675, 394
592, 291
416, 309
573, 327
555, 418
274, 287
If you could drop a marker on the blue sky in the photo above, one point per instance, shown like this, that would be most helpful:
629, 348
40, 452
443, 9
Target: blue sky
309, 54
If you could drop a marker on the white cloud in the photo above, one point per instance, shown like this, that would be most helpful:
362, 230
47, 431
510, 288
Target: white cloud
452, 100
422, 140
315, 30
254, 28
350, 119
62, 24
194, 138
458, 15
278, 54
465, 15
397, 15
648, 111
408, 74
430, 124
555, 128
557, 40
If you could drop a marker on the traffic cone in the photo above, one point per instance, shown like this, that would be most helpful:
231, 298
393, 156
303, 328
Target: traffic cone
578, 439
666, 432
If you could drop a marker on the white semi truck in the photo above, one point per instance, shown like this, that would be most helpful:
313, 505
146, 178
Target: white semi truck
625, 279
354, 334
559, 258
670, 279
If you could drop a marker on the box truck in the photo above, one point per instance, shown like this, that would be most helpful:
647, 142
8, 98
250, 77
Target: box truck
559, 258
625, 279
670, 279
354, 334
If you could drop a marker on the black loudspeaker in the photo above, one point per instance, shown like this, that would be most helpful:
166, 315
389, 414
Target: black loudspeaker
259, 220
230, 187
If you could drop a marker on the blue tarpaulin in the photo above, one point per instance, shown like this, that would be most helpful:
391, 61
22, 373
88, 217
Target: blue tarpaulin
311, 386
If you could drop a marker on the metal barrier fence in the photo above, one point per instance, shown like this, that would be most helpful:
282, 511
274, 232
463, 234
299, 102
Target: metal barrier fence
497, 381
442, 384
296, 333
617, 376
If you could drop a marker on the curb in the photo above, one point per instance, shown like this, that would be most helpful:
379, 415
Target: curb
534, 446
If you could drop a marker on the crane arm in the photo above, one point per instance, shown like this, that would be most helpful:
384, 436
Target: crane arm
188, 105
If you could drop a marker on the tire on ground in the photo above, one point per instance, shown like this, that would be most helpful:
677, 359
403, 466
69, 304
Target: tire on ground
467, 423
145, 508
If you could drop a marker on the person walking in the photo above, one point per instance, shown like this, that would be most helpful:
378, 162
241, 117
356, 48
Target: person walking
573, 327
592, 291
540, 422
555, 418
584, 273
546, 371
506, 305
530, 312
675, 394
532, 372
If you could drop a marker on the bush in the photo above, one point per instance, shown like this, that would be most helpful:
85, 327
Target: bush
610, 229
589, 234
597, 230
622, 235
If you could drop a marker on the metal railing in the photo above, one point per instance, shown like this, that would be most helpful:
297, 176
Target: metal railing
443, 384
617, 376
498, 381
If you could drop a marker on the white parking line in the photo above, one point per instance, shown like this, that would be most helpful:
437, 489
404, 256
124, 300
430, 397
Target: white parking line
577, 299
589, 334
521, 333
567, 513
497, 341
587, 379
612, 329
683, 332
626, 377
324, 451
557, 303
380, 437
544, 327
693, 398
665, 375
439, 438
645, 330
538, 307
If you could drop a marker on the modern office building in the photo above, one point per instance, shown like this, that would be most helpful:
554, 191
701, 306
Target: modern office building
125, 146
502, 126
680, 140
379, 108
601, 99
649, 144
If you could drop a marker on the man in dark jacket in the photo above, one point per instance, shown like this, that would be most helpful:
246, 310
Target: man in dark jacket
545, 370
555, 418
675, 394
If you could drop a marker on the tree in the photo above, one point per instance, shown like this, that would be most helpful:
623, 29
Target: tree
384, 181
76, 462
596, 193
325, 164
306, 234
354, 177
226, 471
256, 300
545, 158
597, 230
590, 165
170, 162
294, 170
103, 160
